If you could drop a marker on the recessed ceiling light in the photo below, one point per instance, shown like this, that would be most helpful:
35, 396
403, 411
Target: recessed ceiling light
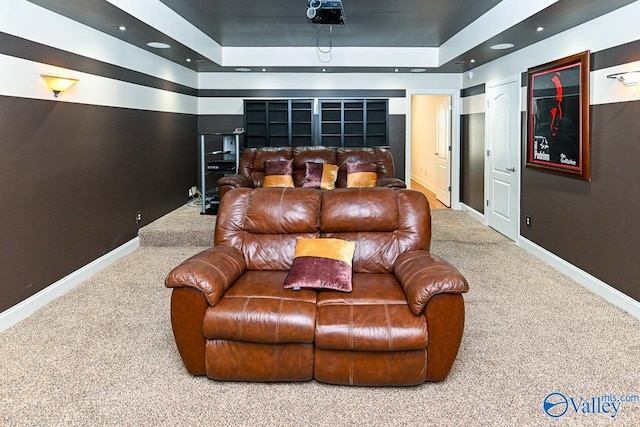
540, 29
188, 59
396, 70
418, 70
122, 28
159, 45
264, 69
502, 46
473, 61
243, 69
324, 70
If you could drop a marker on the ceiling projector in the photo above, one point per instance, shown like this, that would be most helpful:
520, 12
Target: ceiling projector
325, 11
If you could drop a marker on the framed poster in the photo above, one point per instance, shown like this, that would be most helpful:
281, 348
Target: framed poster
558, 116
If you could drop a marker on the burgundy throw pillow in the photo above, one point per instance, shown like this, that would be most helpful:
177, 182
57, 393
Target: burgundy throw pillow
320, 175
322, 263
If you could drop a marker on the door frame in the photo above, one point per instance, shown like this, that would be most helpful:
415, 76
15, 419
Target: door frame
518, 149
455, 139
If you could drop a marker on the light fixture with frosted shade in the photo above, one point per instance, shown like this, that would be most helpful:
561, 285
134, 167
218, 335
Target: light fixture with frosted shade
628, 78
58, 84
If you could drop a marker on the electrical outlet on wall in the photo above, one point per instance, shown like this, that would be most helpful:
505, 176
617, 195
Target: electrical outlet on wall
193, 191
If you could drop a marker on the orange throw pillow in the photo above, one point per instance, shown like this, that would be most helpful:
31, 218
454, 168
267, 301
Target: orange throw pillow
361, 175
278, 173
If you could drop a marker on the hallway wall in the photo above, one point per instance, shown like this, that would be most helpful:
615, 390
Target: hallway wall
592, 225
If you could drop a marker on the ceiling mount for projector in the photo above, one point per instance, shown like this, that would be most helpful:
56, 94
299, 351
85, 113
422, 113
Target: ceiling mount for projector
325, 12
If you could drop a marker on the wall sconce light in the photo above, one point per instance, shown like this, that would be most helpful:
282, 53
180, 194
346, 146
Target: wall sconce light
58, 84
629, 78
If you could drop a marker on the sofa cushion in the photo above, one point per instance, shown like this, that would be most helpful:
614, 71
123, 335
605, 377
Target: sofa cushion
278, 173
382, 223
356, 155
321, 264
264, 224
247, 361
258, 309
313, 154
253, 162
360, 209
370, 368
320, 175
375, 316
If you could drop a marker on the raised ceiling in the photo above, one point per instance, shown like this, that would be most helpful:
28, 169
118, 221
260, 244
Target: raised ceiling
397, 23
378, 36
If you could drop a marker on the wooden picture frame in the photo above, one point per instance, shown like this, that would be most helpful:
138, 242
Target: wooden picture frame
558, 116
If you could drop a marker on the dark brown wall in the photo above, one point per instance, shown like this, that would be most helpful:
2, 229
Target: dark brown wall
220, 123
397, 138
73, 177
472, 127
594, 225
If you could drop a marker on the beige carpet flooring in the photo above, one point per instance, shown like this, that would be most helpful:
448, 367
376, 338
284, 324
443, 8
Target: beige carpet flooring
103, 354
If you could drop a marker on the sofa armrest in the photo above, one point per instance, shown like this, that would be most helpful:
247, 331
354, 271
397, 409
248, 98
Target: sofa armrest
423, 275
212, 272
391, 183
236, 181
229, 182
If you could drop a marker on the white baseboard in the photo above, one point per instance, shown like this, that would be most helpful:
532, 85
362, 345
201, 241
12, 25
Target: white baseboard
27, 307
473, 213
424, 184
590, 282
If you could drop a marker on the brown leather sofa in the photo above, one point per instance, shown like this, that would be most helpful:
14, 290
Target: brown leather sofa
400, 325
251, 165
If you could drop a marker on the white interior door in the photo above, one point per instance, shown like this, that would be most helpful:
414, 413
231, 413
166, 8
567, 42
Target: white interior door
503, 142
443, 150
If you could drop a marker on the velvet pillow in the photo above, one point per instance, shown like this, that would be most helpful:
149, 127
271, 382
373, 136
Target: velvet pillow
361, 175
320, 175
322, 264
278, 173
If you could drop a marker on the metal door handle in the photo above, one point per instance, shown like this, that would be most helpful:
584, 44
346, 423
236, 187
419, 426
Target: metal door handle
513, 169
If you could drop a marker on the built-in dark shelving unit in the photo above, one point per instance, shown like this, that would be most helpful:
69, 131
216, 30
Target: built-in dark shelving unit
337, 123
354, 122
278, 123
301, 123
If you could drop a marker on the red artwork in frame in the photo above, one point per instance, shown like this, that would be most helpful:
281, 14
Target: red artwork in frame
558, 116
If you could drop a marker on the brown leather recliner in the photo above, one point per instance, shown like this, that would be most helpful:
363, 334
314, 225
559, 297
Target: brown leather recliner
251, 165
401, 324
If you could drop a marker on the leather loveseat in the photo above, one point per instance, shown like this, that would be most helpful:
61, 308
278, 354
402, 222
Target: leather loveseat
401, 324
251, 165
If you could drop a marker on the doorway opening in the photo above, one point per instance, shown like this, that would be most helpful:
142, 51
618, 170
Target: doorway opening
431, 146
